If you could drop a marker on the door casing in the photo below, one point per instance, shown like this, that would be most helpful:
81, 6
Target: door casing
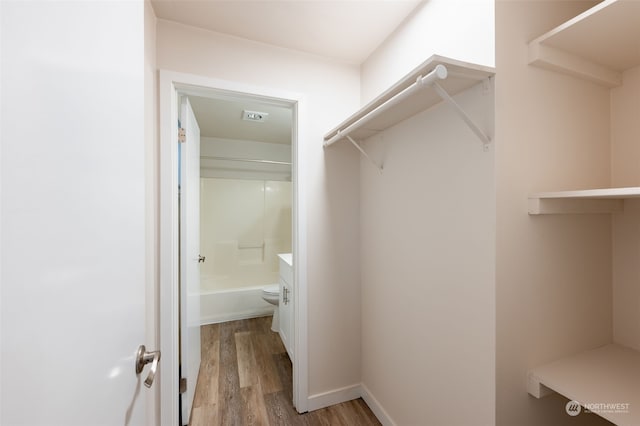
171, 84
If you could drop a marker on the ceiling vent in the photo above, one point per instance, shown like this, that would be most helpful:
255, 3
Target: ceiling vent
254, 116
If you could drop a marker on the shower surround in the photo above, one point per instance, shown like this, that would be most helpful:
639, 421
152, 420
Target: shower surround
244, 224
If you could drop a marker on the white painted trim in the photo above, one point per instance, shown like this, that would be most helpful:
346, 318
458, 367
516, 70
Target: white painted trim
348, 393
333, 397
168, 231
170, 83
2, 210
375, 406
300, 305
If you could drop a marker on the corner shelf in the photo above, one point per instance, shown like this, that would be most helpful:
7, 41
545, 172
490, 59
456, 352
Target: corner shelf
597, 45
606, 375
461, 76
587, 201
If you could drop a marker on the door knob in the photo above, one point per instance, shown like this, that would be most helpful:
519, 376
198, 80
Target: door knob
143, 358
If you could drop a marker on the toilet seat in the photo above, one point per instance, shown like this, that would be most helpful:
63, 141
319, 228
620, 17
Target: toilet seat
271, 290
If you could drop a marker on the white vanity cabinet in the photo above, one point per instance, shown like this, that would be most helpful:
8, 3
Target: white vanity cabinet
286, 302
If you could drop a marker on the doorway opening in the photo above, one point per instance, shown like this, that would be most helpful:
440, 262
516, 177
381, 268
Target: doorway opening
252, 222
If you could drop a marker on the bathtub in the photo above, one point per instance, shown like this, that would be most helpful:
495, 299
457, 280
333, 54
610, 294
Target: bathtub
233, 304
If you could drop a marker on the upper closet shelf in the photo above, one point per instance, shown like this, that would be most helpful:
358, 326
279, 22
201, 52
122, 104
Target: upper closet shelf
587, 201
605, 380
409, 97
597, 45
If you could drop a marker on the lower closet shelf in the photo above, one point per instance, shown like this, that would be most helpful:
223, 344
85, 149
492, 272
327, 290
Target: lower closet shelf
605, 380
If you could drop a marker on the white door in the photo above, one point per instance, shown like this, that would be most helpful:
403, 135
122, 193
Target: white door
189, 255
72, 213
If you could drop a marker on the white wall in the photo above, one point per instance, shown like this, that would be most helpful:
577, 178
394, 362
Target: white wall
244, 225
428, 261
331, 92
625, 171
625, 128
553, 288
428, 233
460, 29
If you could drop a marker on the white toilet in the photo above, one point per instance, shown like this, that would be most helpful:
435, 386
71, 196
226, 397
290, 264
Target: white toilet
271, 294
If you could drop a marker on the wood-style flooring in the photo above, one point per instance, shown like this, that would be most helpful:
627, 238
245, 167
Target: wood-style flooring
245, 379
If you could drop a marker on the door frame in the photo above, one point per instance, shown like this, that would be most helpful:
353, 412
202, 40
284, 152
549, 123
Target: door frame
170, 85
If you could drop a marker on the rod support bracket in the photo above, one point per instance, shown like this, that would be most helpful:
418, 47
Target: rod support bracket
363, 152
486, 140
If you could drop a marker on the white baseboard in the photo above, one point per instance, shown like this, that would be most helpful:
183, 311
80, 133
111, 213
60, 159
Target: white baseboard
375, 406
325, 399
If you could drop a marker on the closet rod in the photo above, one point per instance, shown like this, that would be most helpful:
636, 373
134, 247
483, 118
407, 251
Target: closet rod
246, 160
438, 73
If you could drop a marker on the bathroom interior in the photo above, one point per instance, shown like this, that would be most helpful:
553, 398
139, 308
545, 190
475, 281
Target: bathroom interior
245, 218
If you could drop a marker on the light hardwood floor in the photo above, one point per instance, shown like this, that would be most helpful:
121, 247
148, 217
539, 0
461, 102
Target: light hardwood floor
245, 379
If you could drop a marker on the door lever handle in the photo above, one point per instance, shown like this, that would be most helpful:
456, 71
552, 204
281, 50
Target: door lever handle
201, 258
143, 358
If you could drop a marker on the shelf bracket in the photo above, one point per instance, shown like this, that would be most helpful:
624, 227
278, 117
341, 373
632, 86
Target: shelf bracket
465, 117
362, 151
536, 388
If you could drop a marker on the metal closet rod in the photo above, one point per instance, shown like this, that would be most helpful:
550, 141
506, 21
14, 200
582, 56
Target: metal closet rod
245, 160
438, 73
